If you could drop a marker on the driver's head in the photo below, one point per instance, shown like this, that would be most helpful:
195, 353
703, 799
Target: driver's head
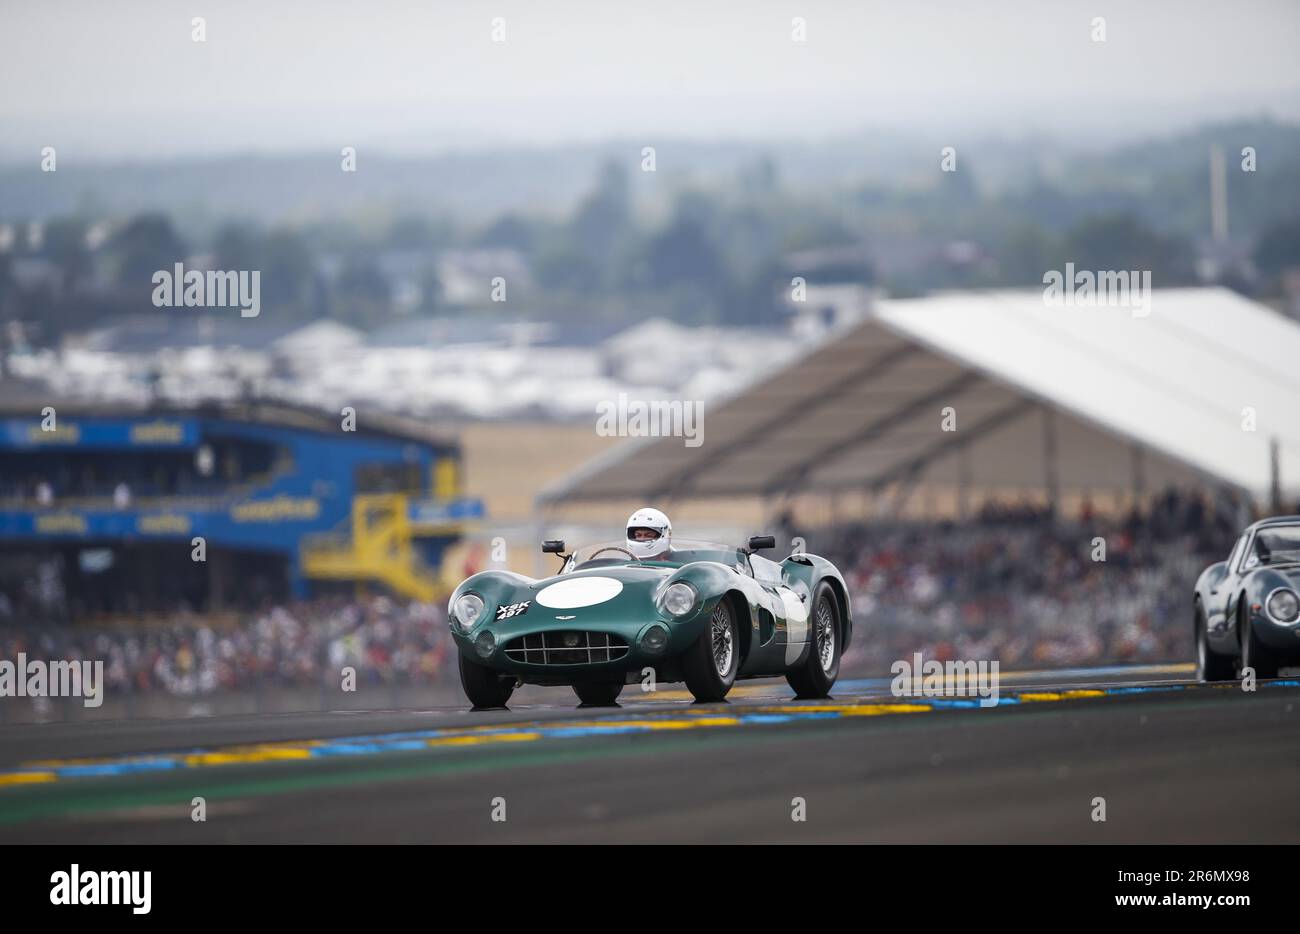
649, 533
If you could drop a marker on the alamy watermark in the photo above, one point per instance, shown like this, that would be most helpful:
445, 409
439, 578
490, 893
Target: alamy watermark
35, 678
181, 288
933, 678
1084, 288
656, 418
78, 886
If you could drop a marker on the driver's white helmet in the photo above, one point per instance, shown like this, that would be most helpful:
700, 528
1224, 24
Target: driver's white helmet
656, 522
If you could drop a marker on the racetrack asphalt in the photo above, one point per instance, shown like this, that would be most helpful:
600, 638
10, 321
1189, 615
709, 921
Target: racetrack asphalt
1174, 762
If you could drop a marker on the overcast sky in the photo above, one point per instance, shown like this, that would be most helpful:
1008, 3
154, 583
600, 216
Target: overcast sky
123, 78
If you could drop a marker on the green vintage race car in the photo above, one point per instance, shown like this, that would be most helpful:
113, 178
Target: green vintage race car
702, 613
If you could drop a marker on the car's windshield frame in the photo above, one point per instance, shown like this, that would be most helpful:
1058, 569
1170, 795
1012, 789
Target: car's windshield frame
681, 551
1252, 558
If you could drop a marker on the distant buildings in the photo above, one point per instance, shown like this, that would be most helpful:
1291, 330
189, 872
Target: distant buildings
473, 366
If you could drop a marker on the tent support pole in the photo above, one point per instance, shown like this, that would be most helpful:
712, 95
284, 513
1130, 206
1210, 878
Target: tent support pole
1051, 466
1139, 475
1275, 476
963, 482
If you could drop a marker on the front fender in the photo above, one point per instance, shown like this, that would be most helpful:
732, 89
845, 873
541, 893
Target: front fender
715, 581
1259, 586
807, 571
495, 587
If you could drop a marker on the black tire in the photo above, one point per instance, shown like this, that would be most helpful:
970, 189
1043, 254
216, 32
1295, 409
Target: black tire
700, 664
1209, 665
598, 693
816, 676
1255, 654
484, 687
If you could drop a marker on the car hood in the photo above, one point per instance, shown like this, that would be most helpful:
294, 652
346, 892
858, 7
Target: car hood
628, 573
598, 598
596, 586
1266, 578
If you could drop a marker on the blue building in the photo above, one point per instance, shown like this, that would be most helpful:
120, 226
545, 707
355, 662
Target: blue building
126, 511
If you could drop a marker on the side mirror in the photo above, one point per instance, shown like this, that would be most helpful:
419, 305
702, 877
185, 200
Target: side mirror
553, 547
761, 542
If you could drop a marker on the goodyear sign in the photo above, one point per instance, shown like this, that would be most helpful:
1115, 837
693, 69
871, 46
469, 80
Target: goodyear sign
62, 523
277, 509
166, 523
106, 433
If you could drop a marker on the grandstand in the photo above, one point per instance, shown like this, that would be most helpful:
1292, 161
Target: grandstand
116, 511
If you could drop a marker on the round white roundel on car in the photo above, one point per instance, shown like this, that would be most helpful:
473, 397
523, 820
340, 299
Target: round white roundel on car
581, 591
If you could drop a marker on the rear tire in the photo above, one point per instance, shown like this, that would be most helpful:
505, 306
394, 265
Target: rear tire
710, 665
598, 693
1209, 666
484, 687
816, 676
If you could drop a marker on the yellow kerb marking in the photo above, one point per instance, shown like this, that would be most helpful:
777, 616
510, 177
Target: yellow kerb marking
238, 757
871, 710
27, 778
852, 710
516, 736
519, 737
1032, 696
685, 723
714, 721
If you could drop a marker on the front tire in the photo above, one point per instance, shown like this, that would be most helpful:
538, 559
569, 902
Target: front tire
598, 694
710, 665
1209, 666
816, 676
484, 687
1254, 653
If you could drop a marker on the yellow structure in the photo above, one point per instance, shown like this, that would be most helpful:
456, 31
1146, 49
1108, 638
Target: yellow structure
377, 547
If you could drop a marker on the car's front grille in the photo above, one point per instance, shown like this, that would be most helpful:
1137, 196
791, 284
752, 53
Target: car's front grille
566, 648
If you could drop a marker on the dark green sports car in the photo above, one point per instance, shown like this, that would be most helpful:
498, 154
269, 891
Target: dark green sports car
702, 613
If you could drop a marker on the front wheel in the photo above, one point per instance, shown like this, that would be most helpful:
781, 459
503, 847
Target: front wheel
816, 676
1209, 666
710, 665
484, 687
598, 694
1255, 654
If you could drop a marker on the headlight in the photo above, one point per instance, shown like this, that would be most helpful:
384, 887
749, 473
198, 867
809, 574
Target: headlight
485, 644
679, 599
466, 610
1283, 606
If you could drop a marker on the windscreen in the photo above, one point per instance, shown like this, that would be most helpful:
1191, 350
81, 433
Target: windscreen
683, 551
1279, 544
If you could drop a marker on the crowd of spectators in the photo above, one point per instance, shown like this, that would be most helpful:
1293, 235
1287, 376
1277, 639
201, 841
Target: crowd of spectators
298, 645
1015, 585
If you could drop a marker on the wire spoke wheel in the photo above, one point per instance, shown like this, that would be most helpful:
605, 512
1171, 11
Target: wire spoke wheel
710, 667
819, 664
722, 640
825, 636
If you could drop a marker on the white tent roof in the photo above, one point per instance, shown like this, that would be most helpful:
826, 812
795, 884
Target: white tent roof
1077, 398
